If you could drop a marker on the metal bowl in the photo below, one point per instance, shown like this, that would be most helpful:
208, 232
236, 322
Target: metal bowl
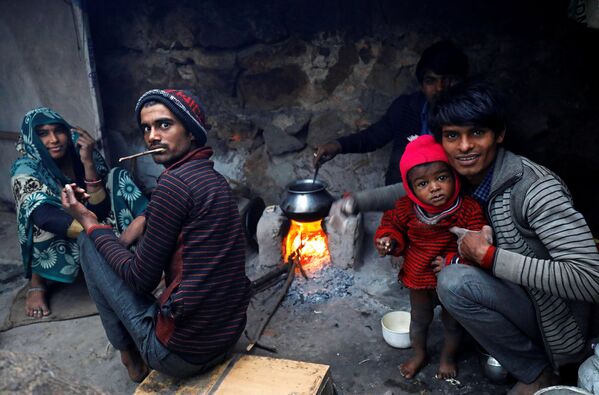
492, 369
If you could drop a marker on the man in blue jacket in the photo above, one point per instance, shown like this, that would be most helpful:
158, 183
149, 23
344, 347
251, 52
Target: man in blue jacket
440, 66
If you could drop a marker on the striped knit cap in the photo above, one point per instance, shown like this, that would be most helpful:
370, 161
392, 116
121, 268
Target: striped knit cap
184, 105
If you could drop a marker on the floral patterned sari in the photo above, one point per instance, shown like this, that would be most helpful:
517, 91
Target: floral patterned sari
37, 180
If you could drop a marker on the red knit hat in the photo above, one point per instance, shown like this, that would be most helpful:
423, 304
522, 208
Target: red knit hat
421, 150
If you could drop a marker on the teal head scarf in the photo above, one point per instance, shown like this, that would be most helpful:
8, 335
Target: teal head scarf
36, 179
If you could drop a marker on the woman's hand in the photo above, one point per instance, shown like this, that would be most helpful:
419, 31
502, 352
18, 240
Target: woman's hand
86, 144
133, 232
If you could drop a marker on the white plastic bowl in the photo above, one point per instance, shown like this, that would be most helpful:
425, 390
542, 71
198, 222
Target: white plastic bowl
396, 329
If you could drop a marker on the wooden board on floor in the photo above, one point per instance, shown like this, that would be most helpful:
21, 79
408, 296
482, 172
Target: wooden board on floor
247, 374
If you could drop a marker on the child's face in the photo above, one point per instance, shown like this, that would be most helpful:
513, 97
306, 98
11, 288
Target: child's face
432, 183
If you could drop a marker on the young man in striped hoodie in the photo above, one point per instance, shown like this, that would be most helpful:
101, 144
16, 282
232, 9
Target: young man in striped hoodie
192, 235
530, 309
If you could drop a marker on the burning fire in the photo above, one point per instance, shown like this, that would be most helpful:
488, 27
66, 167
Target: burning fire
310, 241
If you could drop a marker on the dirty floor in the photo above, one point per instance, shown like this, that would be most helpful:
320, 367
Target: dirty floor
343, 332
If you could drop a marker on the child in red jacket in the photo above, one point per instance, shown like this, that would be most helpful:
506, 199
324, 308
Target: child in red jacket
418, 229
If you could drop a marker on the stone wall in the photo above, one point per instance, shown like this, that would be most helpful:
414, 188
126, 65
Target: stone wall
278, 78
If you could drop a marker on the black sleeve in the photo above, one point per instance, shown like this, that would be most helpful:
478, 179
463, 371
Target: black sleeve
101, 209
52, 219
378, 134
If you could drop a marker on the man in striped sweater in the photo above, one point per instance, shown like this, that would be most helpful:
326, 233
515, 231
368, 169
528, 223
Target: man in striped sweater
530, 309
193, 236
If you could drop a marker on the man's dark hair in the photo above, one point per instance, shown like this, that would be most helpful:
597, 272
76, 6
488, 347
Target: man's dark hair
442, 58
471, 103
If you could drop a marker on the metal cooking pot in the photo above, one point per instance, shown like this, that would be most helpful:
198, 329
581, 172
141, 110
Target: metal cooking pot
306, 200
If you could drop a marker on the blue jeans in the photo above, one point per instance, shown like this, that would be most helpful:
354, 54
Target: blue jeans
128, 317
498, 314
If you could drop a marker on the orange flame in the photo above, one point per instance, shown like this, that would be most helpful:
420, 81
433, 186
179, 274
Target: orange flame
235, 138
310, 240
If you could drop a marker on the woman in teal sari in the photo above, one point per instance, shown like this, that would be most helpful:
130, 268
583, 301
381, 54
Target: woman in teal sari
53, 153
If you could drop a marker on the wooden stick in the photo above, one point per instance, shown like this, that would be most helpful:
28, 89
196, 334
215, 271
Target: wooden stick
302, 271
286, 286
298, 254
269, 279
152, 151
265, 347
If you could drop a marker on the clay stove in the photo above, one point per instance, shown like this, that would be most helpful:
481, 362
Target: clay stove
329, 249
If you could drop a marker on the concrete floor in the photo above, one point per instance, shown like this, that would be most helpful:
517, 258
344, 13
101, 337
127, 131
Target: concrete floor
343, 332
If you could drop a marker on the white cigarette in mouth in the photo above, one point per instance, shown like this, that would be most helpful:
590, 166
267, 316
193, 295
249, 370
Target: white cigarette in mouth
152, 151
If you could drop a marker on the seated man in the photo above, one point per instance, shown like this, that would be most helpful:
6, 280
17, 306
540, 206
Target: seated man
193, 236
440, 66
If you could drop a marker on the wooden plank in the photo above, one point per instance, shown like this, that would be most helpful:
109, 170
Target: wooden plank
271, 376
245, 375
158, 383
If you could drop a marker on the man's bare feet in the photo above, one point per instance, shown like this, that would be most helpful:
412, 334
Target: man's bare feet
136, 367
546, 379
412, 366
36, 305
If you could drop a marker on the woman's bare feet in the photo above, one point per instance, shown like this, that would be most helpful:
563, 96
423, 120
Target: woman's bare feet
136, 367
413, 365
36, 304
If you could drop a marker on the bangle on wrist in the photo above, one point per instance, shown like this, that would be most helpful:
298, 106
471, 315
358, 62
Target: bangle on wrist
92, 182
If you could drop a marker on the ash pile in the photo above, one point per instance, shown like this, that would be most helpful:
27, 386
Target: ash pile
320, 286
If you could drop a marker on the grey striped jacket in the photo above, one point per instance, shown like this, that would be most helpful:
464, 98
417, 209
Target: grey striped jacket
545, 245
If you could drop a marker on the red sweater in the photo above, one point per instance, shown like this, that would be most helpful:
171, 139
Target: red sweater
420, 242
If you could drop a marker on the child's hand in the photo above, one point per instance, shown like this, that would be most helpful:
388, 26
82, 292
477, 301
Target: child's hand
438, 263
385, 245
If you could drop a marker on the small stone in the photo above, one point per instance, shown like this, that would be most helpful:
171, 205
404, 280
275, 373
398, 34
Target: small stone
278, 142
